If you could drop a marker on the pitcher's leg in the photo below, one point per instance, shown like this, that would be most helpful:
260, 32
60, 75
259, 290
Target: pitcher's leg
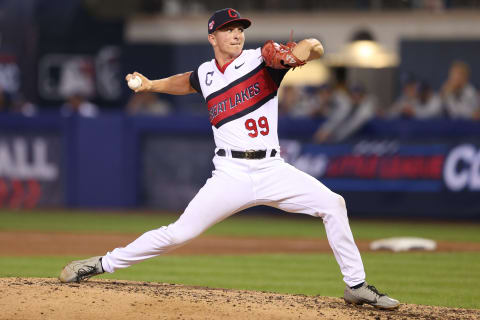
305, 194
219, 198
341, 241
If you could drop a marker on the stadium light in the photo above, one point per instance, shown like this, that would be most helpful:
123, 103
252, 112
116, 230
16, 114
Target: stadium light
363, 52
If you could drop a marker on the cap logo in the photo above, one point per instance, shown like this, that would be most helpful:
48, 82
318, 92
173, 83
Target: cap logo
210, 25
232, 13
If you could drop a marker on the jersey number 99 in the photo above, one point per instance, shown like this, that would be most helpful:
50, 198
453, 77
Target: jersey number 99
251, 125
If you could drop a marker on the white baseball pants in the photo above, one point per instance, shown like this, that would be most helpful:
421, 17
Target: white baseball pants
237, 184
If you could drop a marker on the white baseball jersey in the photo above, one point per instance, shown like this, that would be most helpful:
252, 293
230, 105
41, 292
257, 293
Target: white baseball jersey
242, 101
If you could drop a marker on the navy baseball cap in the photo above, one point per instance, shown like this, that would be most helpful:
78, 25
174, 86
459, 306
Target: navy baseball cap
224, 16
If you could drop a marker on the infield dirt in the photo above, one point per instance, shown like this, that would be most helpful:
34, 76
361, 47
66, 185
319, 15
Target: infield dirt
34, 243
35, 298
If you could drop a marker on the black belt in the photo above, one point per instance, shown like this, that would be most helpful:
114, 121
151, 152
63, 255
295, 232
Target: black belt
249, 154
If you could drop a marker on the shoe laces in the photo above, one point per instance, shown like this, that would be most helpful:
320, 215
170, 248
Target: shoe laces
85, 273
372, 288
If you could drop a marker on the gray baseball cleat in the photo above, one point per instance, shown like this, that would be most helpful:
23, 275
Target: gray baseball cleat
81, 270
370, 295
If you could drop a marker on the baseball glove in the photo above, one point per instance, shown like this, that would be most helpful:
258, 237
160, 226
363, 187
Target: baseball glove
280, 56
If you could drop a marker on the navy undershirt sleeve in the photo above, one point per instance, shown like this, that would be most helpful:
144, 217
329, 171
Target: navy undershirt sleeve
194, 82
277, 74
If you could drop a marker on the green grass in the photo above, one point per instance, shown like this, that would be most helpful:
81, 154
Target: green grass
446, 279
286, 225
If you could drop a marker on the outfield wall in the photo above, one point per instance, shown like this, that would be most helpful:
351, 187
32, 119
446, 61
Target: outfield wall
397, 168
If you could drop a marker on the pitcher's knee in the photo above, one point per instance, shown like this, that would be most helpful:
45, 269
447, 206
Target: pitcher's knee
167, 237
335, 205
179, 236
342, 202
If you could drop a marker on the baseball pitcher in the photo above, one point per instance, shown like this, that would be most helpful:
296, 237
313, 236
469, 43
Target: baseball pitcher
240, 90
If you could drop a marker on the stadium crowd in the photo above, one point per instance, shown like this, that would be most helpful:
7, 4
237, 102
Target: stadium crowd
345, 109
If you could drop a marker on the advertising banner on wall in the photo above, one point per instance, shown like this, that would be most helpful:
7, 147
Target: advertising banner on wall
31, 171
96, 76
384, 166
405, 178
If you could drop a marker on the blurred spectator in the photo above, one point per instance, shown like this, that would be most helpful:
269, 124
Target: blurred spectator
21, 105
293, 102
341, 124
326, 101
417, 101
147, 103
288, 97
3, 101
459, 96
429, 104
76, 104
404, 106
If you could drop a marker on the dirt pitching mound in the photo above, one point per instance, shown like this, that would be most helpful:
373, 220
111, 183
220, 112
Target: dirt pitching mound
34, 298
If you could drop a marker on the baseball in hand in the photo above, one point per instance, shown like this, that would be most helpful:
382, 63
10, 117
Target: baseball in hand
135, 82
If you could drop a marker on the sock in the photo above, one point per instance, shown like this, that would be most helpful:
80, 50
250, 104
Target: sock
101, 265
357, 286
